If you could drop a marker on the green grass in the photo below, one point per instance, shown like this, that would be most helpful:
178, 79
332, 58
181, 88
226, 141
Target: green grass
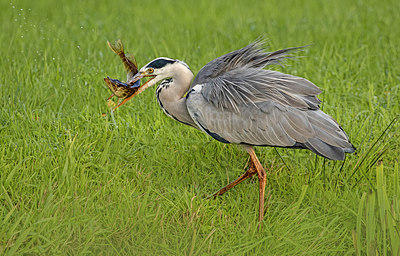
73, 182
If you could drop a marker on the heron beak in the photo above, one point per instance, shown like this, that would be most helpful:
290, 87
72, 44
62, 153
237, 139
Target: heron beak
143, 87
137, 77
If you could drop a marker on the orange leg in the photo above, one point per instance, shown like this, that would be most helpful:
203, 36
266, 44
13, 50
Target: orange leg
262, 178
255, 167
250, 172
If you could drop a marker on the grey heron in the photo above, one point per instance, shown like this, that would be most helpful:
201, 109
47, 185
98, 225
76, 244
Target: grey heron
234, 99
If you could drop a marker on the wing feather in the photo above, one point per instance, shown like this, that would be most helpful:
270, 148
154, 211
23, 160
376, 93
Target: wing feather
250, 86
253, 55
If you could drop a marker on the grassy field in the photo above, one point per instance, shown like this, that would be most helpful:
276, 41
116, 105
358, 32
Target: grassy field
73, 182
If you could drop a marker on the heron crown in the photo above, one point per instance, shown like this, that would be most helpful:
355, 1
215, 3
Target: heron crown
160, 63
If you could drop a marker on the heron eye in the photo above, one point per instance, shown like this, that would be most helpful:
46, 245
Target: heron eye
150, 70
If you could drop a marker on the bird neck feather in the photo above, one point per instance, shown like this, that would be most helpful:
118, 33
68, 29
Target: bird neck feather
171, 95
182, 77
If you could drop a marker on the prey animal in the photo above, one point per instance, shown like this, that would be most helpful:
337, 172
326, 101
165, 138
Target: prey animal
121, 89
234, 99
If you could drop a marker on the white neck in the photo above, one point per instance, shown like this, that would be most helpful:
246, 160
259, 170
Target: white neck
182, 78
172, 98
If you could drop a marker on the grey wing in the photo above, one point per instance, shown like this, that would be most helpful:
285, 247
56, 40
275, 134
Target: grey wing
249, 86
238, 78
266, 108
253, 55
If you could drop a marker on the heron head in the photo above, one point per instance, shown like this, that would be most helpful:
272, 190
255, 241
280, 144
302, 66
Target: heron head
157, 70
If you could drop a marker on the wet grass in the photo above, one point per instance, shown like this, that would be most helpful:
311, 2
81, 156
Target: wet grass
76, 182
